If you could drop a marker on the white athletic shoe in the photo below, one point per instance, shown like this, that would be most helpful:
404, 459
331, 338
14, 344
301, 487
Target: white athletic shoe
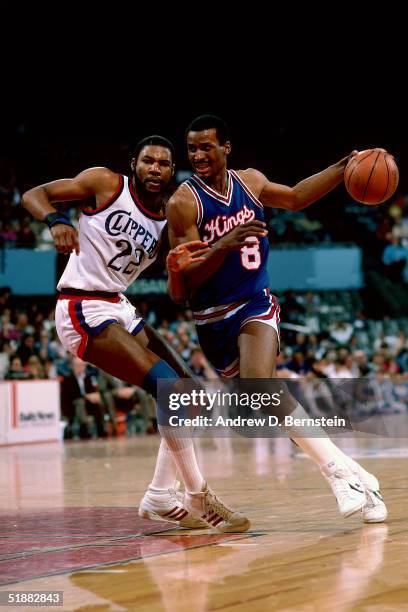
374, 510
214, 512
347, 488
169, 507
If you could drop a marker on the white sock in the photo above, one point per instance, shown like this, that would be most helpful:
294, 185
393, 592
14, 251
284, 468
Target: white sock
321, 450
182, 450
165, 471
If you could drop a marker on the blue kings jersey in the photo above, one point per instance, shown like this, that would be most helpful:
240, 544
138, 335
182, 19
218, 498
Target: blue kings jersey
243, 273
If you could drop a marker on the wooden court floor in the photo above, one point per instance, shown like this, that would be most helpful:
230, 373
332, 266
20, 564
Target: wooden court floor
68, 522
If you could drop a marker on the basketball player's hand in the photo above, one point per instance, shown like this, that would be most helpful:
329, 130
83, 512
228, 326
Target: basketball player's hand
235, 240
342, 163
185, 254
65, 238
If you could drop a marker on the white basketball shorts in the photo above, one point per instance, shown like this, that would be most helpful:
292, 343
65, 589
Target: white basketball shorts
81, 314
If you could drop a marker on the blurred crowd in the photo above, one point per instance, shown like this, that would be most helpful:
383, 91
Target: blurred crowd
323, 335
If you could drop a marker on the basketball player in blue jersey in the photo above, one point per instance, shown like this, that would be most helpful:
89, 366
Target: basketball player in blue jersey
235, 313
116, 240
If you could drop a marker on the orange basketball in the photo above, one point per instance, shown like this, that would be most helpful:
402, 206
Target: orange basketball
371, 176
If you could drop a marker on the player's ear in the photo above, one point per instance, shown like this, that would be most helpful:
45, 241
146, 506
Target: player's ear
227, 147
173, 169
133, 164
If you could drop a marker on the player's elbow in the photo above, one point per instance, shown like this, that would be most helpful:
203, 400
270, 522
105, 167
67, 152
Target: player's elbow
27, 197
296, 201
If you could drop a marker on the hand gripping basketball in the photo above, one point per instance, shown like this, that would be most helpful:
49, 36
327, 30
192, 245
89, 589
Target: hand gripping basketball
371, 176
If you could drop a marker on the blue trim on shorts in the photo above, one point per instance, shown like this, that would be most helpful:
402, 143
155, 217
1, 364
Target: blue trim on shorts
91, 331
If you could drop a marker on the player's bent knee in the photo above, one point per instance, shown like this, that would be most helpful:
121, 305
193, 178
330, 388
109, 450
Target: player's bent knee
161, 371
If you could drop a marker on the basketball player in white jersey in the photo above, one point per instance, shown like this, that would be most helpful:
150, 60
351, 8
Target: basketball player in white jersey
115, 241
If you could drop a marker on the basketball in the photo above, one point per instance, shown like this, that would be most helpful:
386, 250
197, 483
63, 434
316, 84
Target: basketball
371, 176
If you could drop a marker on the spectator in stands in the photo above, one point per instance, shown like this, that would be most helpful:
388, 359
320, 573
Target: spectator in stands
395, 259
341, 368
142, 416
50, 370
147, 313
5, 298
26, 348
391, 366
42, 346
166, 332
200, 366
361, 366
8, 235
292, 305
378, 362
314, 347
8, 331
80, 398
401, 343
341, 332
115, 394
400, 230
5, 353
298, 363
185, 346
281, 365
25, 236
49, 322
384, 230
23, 325
301, 344
34, 368
311, 302
139, 406
360, 323
16, 370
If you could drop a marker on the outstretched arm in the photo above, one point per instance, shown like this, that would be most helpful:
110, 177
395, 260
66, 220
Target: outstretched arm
182, 219
302, 194
98, 182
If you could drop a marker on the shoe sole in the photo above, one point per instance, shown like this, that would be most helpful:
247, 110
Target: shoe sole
377, 520
356, 509
152, 516
237, 529
373, 521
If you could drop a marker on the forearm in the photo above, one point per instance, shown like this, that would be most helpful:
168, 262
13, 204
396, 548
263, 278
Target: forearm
176, 287
315, 187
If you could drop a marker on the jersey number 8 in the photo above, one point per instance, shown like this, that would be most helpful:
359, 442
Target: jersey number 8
250, 255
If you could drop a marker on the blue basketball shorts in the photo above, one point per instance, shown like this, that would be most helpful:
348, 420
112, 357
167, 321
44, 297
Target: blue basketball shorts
218, 328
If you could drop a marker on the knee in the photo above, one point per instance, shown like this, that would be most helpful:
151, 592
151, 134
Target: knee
160, 370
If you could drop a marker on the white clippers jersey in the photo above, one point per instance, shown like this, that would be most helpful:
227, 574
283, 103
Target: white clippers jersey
117, 241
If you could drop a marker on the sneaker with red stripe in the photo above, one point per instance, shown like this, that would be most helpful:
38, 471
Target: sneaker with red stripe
214, 512
168, 507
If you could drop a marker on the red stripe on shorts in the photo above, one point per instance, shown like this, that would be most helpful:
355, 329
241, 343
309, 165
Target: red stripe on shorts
78, 328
